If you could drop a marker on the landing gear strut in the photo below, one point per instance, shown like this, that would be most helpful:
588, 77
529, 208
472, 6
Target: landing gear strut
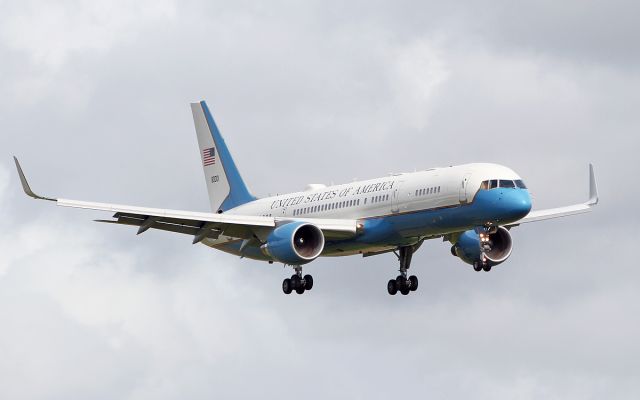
486, 244
297, 282
402, 283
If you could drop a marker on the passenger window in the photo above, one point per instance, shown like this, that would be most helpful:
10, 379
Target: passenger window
507, 184
416, 192
438, 189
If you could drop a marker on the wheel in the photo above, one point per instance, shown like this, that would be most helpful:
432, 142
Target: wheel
300, 289
413, 283
308, 282
477, 267
295, 282
486, 268
405, 290
401, 282
392, 288
286, 286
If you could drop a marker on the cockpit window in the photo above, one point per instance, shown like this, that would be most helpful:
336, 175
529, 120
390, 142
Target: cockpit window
503, 183
506, 184
520, 184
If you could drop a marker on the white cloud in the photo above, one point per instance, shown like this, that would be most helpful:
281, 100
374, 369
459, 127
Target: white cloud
419, 69
307, 92
49, 32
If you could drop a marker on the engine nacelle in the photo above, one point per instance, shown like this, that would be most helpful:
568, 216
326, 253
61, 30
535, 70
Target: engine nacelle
494, 249
295, 243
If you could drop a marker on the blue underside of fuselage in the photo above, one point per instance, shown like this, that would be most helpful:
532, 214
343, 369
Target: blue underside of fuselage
489, 207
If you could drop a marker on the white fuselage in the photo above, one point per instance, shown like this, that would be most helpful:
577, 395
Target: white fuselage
398, 193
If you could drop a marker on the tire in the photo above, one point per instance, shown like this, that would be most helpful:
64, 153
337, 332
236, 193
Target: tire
486, 268
405, 291
295, 282
392, 288
308, 282
286, 286
401, 282
477, 267
300, 289
414, 283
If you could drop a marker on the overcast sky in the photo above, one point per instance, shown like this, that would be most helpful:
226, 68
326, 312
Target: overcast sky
94, 101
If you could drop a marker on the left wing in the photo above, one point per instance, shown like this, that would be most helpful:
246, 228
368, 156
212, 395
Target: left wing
199, 225
541, 215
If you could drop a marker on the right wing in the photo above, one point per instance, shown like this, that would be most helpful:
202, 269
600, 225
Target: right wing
199, 225
541, 215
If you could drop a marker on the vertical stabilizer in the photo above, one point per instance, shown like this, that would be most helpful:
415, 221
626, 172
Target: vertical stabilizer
224, 184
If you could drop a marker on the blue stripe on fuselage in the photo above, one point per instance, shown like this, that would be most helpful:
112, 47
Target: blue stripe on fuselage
498, 206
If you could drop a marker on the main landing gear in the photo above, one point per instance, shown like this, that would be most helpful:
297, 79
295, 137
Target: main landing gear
297, 282
402, 283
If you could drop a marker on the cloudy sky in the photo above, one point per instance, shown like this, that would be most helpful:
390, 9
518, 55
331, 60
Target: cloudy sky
95, 103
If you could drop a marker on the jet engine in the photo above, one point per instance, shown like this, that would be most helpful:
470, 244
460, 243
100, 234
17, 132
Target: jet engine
295, 243
484, 249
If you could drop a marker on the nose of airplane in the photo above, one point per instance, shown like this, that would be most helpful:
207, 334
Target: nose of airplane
516, 203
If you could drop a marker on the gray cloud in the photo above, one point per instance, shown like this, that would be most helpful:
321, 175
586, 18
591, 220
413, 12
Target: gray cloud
96, 106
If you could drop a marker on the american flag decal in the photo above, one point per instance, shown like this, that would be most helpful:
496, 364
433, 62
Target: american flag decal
209, 156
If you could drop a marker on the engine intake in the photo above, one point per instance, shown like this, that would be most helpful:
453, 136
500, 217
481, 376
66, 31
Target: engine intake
489, 249
295, 243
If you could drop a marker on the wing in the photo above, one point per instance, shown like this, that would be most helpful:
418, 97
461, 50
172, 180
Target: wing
540, 215
199, 225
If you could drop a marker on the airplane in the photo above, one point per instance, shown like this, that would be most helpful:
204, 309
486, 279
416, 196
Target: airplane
472, 206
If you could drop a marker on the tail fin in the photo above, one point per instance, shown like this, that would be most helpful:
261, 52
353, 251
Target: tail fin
224, 183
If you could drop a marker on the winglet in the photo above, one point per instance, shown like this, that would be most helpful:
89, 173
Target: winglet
25, 184
593, 188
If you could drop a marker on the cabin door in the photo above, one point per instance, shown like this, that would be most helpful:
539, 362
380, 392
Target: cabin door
464, 186
396, 197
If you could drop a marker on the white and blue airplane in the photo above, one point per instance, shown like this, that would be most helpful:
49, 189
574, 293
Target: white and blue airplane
473, 206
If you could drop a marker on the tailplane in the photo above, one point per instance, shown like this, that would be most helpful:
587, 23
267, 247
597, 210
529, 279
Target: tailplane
224, 184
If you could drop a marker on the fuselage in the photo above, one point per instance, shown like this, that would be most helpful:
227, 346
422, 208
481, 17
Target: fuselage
399, 209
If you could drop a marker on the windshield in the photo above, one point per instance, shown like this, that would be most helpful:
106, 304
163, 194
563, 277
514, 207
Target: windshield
502, 183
